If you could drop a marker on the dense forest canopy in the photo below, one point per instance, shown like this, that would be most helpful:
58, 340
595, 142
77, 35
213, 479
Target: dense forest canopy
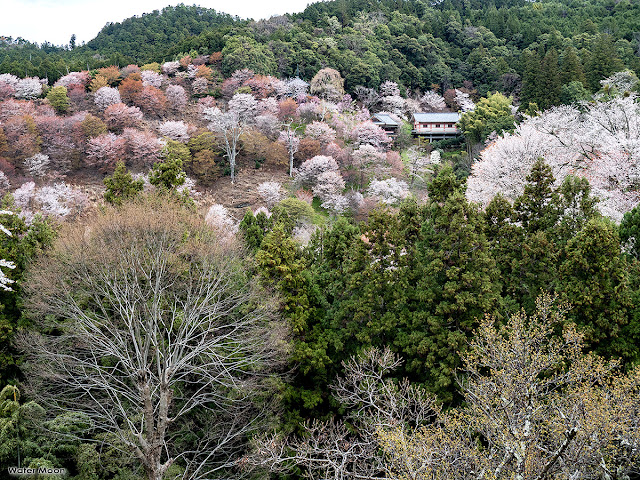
495, 46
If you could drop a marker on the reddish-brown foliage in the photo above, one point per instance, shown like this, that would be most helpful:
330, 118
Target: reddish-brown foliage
308, 148
215, 58
288, 109
151, 100
130, 88
204, 72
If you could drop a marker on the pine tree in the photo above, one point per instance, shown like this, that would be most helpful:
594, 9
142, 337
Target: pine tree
549, 80
121, 186
457, 284
571, 67
536, 208
594, 280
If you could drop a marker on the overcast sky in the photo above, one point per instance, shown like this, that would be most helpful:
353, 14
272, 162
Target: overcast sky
56, 20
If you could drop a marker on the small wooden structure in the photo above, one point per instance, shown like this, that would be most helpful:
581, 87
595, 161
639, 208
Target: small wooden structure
387, 123
436, 126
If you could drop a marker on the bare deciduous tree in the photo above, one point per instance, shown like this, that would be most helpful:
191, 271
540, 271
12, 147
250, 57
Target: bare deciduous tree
154, 334
349, 448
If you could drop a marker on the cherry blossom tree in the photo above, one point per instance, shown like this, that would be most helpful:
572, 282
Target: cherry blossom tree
9, 79
60, 140
5, 184
170, 68
432, 102
367, 96
328, 185
321, 132
22, 136
289, 137
268, 106
118, 116
390, 98
176, 97
141, 148
464, 101
267, 124
28, 88
200, 86
295, 88
420, 163
104, 151
370, 134
309, 111
244, 105
6, 91
271, 193
391, 191
599, 143
367, 161
58, 201
128, 70
4, 280
37, 164
151, 78
74, 78
175, 130
235, 81
106, 96
222, 222
306, 174
14, 108
228, 127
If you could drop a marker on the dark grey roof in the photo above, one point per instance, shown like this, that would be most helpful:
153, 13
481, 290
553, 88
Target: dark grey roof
385, 119
436, 117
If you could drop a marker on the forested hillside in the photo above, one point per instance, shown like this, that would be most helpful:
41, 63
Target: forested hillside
228, 249
515, 47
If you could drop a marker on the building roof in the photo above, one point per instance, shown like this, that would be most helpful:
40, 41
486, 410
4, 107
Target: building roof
446, 117
385, 119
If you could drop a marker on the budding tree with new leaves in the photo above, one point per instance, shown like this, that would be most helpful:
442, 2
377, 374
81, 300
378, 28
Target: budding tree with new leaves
328, 83
536, 407
158, 331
